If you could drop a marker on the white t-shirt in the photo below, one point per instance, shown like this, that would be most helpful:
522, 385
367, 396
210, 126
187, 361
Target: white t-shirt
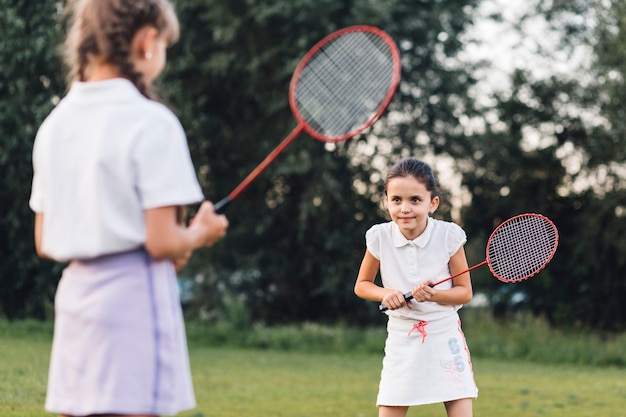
405, 263
104, 155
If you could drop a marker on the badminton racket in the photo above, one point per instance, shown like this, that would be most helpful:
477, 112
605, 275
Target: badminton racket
517, 249
339, 89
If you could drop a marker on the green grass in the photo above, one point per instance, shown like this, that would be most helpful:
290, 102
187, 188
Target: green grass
236, 382
23, 371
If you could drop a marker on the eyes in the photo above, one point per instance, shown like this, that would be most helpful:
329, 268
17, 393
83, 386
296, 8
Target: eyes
413, 200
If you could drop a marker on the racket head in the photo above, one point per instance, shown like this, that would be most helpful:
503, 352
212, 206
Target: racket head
521, 246
345, 82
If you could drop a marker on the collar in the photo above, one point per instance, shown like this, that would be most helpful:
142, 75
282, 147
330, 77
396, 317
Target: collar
399, 240
114, 89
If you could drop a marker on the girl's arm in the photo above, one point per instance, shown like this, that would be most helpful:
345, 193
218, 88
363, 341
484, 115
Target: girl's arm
38, 230
368, 290
168, 239
461, 291
165, 237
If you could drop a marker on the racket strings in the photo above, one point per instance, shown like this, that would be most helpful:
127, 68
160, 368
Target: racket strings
521, 247
338, 80
345, 83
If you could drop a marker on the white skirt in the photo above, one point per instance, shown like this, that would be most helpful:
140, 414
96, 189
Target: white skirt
119, 340
425, 363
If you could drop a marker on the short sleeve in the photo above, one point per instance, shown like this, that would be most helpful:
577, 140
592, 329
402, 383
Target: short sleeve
456, 238
164, 169
36, 195
372, 241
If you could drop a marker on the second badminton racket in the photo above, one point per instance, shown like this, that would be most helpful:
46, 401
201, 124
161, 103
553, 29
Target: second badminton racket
339, 89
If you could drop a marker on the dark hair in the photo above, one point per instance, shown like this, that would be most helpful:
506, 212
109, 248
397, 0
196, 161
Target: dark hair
104, 30
420, 170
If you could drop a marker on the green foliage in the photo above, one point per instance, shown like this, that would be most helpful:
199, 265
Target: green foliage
531, 339
306, 337
297, 233
523, 338
30, 78
573, 172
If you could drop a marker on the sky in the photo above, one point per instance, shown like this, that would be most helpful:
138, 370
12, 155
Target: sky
516, 41
533, 47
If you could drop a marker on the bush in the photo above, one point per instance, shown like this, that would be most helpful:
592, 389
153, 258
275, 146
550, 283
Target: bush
524, 339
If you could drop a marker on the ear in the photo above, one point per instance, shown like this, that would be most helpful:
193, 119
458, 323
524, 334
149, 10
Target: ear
144, 42
434, 204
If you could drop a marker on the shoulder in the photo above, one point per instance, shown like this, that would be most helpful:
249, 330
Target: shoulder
447, 226
50, 124
378, 229
123, 97
160, 110
377, 236
155, 125
158, 115
449, 233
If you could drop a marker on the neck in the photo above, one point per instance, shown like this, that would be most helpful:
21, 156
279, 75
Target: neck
102, 72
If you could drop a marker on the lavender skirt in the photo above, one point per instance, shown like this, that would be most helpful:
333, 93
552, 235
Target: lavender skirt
119, 339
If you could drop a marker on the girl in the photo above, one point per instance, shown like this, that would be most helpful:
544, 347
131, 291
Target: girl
111, 171
426, 357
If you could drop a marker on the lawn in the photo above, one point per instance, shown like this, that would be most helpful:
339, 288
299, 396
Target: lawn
232, 382
290, 384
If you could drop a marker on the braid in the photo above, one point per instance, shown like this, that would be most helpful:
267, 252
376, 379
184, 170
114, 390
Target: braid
104, 30
89, 46
120, 36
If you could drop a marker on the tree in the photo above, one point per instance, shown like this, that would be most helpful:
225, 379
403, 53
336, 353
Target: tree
557, 147
297, 233
30, 77
597, 255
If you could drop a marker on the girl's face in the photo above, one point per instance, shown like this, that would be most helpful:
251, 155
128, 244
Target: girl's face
409, 203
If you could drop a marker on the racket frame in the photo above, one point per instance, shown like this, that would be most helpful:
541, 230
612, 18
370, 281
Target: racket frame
395, 79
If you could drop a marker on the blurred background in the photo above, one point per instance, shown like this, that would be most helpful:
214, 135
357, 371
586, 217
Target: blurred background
518, 107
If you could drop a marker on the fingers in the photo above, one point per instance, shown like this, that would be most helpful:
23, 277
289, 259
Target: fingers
181, 261
213, 226
423, 291
394, 300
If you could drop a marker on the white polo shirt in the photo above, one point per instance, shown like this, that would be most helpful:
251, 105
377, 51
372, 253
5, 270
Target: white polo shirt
104, 155
405, 263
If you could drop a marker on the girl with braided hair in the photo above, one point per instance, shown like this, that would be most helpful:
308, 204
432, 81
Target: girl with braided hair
111, 171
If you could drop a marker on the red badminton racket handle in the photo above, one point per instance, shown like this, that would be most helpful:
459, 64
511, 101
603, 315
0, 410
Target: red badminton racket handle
220, 206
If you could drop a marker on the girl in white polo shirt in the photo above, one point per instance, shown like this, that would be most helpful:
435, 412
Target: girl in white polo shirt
111, 171
426, 358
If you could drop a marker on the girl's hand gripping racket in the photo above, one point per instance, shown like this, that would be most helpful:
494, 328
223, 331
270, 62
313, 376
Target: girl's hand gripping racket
517, 249
339, 89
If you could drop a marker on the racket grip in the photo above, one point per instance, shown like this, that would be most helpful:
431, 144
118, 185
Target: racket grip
220, 206
407, 296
